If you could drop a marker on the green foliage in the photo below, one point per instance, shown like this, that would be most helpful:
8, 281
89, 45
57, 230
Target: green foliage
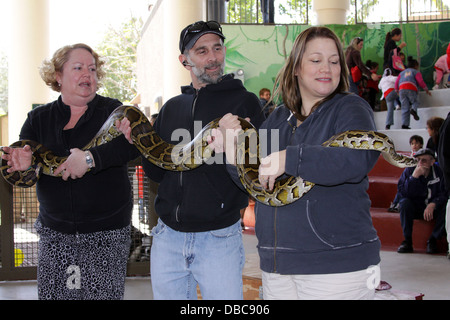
244, 11
3, 84
119, 51
295, 10
261, 51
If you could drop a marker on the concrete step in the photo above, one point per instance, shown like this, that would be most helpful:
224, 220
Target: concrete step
437, 105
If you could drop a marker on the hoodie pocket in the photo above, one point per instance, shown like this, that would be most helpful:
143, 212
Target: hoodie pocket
340, 228
295, 230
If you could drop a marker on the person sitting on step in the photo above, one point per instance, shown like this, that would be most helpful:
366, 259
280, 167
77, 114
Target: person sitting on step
423, 197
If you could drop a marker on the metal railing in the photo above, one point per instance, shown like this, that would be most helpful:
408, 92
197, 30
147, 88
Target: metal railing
401, 11
301, 12
19, 209
265, 11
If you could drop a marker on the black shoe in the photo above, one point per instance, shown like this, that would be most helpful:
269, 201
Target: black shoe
393, 208
405, 127
388, 126
415, 115
405, 247
432, 246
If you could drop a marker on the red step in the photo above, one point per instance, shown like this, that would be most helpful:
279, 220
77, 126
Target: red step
382, 191
384, 169
383, 181
390, 232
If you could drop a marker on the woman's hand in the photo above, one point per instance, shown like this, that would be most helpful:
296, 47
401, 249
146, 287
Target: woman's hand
75, 166
124, 127
19, 159
271, 168
375, 77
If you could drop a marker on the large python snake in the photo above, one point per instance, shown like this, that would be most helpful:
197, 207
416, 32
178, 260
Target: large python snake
197, 152
289, 189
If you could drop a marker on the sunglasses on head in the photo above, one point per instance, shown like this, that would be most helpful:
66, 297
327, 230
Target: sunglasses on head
200, 26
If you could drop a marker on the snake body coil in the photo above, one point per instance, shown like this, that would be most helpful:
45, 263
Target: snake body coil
188, 157
153, 148
289, 189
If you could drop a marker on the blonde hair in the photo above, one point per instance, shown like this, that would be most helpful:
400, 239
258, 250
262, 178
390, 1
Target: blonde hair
50, 68
286, 84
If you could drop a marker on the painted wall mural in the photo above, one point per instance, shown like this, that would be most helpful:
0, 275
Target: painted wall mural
261, 50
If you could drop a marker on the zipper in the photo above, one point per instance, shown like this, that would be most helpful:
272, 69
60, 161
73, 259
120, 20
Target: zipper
194, 103
177, 211
275, 242
294, 127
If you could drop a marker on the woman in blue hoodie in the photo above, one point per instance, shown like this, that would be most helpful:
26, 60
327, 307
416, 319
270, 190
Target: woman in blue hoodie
324, 245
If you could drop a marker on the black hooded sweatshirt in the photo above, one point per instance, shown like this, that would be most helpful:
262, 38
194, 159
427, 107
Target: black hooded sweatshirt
204, 198
101, 199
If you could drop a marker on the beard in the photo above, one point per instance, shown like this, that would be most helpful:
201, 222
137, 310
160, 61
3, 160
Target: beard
209, 78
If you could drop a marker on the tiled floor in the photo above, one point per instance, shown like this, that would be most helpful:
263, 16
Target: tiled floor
417, 273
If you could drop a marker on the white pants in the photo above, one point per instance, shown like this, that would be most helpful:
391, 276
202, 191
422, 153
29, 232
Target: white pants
359, 285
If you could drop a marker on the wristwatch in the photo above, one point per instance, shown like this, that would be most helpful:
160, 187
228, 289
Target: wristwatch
89, 160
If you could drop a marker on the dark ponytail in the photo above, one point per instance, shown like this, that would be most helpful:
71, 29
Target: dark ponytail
393, 33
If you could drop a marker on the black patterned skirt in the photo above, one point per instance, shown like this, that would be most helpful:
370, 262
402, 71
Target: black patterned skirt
88, 266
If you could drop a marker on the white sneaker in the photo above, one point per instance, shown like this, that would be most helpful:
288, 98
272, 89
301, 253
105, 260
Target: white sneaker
436, 86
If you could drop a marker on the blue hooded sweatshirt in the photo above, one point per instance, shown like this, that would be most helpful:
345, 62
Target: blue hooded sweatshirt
328, 230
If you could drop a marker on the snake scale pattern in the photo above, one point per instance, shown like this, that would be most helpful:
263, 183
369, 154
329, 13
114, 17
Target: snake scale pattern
188, 157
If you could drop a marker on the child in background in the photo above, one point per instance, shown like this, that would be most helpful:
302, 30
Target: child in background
433, 126
407, 86
372, 85
387, 87
442, 67
416, 143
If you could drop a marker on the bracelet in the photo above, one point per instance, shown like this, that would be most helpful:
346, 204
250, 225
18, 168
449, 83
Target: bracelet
89, 160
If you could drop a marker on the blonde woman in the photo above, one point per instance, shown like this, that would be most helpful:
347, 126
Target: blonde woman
353, 60
84, 218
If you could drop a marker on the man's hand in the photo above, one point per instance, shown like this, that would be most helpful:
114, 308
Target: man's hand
124, 127
429, 210
224, 138
420, 171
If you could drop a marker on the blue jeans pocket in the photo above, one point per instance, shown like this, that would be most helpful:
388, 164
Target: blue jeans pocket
158, 229
230, 231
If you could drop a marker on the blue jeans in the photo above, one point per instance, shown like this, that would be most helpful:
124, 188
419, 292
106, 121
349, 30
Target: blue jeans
213, 259
409, 99
391, 99
409, 210
353, 86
